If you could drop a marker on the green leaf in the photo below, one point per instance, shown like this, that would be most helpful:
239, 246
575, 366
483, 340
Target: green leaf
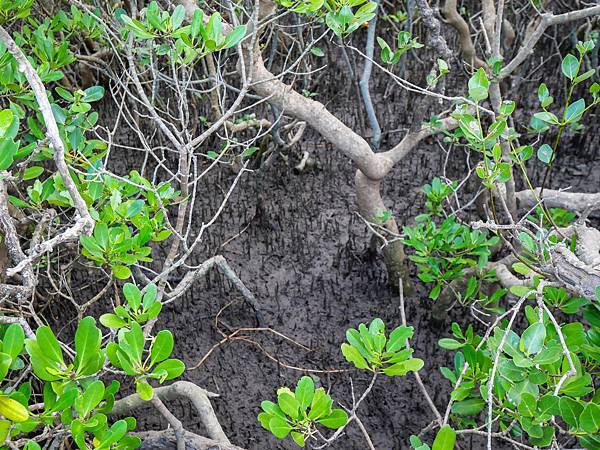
8, 148
528, 405
264, 419
272, 409
133, 295
450, 344
32, 172
93, 94
162, 347
289, 405
298, 438
320, 406
279, 427
235, 36
545, 153
516, 392
13, 410
337, 419
5, 362
469, 407
305, 391
570, 410
88, 340
546, 117
589, 420
121, 272
112, 321
445, 439
144, 390
317, 51
14, 340
6, 118
543, 92
398, 338
402, 368
479, 85
532, 340
91, 398
45, 353
173, 367
570, 66
575, 111
548, 405
352, 355
177, 17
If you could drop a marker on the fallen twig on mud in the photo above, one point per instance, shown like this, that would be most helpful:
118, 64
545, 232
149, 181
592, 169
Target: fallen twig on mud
234, 336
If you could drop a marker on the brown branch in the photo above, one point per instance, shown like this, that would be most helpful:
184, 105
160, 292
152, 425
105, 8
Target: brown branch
464, 35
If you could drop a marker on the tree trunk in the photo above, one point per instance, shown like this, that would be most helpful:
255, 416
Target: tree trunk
370, 204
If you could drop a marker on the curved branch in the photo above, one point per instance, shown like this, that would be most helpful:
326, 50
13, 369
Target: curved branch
546, 21
464, 35
185, 389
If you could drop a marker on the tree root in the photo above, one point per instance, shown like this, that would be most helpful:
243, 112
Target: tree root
165, 439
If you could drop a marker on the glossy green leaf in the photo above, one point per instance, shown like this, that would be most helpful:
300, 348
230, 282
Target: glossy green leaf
570, 66
144, 390
162, 347
589, 420
305, 391
279, 427
337, 419
352, 355
88, 340
445, 439
14, 340
532, 340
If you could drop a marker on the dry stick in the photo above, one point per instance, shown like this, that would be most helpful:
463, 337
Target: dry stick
228, 272
572, 370
85, 223
420, 383
490, 399
353, 416
364, 432
234, 336
21, 321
